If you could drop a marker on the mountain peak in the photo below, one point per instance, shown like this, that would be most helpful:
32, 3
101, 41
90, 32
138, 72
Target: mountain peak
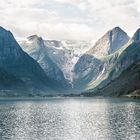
109, 43
36, 40
34, 37
117, 27
3, 31
8, 44
1, 28
116, 30
136, 36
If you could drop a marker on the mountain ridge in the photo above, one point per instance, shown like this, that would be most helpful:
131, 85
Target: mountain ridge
122, 60
15, 61
109, 43
88, 58
51, 67
37, 50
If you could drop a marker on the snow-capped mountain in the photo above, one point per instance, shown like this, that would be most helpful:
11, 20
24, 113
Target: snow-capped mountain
66, 54
112, 41
75, 61
57, 58
93, 64
55, 67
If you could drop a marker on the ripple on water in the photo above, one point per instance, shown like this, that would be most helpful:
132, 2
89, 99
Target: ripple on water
70, 119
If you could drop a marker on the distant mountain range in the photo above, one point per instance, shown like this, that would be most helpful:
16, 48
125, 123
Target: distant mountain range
38, 67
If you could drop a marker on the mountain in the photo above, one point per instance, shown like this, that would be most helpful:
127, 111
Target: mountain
127, 84
36, 48
19, 64
66, 53
51, 67
136, 36
10, 84
57, 58
122, 70
86, 70
93, 63
109, 43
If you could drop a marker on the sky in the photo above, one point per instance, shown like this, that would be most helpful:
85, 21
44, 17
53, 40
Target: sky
68, 19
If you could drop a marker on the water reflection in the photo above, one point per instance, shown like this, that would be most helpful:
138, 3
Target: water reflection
124, 121
70, 119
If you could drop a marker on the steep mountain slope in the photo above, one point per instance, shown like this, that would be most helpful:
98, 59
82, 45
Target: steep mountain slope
112, 41
35, 47
57, 58
86, 70
87, 65
16, 62
128, 83
11, 85
119, 63
136, 36
66, 53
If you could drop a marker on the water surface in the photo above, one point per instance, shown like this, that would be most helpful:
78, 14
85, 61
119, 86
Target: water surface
70, 119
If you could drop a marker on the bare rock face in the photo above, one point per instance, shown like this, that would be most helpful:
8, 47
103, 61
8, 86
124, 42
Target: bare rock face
122, 71
92, 65
37, 50
126, 84
112, 41
57, 58
86, 70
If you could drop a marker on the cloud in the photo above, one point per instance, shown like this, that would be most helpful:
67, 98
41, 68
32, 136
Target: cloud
68, 19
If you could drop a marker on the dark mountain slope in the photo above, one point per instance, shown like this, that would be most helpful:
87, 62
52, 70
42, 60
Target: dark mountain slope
18, 63
125, 84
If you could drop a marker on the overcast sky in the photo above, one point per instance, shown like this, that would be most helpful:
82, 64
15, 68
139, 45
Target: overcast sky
69, 19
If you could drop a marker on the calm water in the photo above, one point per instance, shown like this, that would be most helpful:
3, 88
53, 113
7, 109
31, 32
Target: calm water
70, 119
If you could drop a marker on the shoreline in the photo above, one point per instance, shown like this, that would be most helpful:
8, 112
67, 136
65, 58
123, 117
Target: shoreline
65, 97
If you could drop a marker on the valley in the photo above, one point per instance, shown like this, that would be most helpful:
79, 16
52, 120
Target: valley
70, 67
